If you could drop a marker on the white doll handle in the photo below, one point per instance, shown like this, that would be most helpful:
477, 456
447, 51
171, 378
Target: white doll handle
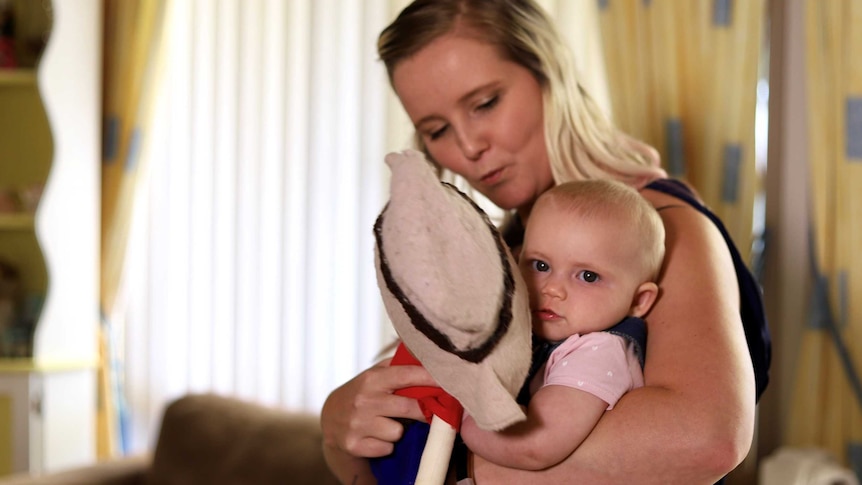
434, 463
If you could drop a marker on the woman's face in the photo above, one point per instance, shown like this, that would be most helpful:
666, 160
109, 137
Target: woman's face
480, 116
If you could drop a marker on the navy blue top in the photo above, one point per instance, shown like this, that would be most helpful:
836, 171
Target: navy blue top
750, 294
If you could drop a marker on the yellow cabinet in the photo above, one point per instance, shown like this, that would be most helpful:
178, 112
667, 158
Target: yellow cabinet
49, 236
25, 160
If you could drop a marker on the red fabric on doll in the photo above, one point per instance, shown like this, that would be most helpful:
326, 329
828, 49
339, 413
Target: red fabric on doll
433, 401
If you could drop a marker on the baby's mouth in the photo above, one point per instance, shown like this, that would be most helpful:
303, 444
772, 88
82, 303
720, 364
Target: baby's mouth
545, 314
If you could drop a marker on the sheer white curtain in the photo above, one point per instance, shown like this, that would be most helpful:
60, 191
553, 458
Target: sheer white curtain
250, 266
251, 263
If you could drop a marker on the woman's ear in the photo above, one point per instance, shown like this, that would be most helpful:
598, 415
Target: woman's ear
645, 296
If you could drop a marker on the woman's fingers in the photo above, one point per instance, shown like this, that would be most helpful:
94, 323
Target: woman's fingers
377, 442
361, 417
392, 378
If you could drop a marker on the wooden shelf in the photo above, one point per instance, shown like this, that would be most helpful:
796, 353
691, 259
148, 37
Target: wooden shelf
17, 222
10, 365
17, 77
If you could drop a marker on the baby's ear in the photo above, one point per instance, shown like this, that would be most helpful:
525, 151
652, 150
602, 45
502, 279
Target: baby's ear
644, 298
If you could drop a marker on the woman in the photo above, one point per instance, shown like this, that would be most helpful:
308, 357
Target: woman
494, 98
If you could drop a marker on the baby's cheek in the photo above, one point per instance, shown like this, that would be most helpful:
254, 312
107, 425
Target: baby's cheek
531, 291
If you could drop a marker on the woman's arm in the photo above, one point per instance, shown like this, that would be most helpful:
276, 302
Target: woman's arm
359, 419
693, 421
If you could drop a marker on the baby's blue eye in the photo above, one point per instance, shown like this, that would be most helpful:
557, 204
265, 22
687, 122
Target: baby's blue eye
541, 266
589, 276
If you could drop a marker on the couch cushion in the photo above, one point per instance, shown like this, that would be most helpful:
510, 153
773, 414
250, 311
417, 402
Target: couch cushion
121, 471
218, 440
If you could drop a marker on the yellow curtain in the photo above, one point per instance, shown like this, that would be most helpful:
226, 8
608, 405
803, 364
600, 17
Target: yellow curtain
131, 61
827, 407
683, 77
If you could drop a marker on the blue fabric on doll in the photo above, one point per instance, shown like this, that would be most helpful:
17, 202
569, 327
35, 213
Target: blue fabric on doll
402, 465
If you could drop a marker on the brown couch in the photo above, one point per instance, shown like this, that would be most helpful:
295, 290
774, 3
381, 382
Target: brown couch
214, 440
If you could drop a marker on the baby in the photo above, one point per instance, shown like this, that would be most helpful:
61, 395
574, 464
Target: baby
591, 257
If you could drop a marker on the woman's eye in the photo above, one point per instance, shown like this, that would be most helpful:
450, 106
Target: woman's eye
588, 276
490, 103
433, 135
541, 266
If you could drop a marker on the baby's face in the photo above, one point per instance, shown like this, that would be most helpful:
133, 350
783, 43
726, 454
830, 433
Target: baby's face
581, 272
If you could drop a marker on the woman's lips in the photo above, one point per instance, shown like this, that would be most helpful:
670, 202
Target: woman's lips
492, 177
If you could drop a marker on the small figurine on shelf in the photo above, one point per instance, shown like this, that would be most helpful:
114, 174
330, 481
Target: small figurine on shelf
19, 312
9, 202
10, 300
29, 196
8, 60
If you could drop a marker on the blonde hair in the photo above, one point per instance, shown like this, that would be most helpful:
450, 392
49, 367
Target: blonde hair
613, 200
581, 141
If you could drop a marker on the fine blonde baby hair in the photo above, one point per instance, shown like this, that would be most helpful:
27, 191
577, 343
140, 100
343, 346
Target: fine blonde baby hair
617, 202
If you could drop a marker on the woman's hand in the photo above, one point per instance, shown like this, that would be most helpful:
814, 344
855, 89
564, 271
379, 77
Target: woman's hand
360, 418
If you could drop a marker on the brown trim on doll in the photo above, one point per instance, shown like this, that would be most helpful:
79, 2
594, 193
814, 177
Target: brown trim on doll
504, 317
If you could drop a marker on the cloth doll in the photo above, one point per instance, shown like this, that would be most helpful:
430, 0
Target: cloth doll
454, 294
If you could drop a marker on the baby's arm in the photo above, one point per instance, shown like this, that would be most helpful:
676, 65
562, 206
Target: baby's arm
559, 418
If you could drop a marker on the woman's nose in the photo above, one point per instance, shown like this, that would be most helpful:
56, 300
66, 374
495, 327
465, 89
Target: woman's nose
472, 142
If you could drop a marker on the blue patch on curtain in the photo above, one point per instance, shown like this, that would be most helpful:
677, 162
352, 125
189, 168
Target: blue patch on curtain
730, 176
843, 300
820, 317
603, 4
854, 129
854, 457
134, 150
111, 142
647, 3
674, 147
819, 312
722, 12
